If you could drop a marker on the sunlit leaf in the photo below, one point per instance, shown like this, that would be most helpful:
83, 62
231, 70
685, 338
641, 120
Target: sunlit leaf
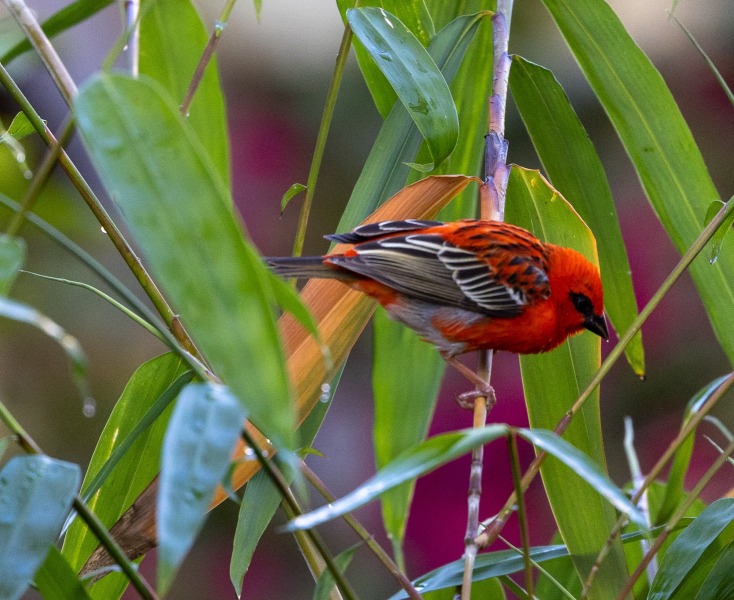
56, 579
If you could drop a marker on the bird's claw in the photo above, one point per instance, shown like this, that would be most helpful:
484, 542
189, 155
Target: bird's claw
468, 399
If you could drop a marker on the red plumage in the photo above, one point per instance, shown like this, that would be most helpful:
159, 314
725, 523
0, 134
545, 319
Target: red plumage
467, 285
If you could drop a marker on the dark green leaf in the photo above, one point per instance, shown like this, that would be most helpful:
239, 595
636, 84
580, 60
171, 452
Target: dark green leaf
197, 447
144, 150
110, 497
384, 172
583, 517
56, 579
36, 493
413, 74
67, 17
585, 468
292, 192
413, 463
574, 169
12, 256
326, 582
683, 555
415, 17
657, 139
174, 30
720, 581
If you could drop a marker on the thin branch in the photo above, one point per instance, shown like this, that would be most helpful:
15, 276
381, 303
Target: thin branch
280, 482
132, 25
495, 527
521, 512
364, 535
40, 42
318, 153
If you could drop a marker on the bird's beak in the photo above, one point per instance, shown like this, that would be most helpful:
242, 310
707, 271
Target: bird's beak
597, 324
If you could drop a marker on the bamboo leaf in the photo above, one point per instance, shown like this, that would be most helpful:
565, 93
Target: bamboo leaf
685, 553
292, 192
20, 127
143, 150
573, 167
56, 579
583, 517
204, 427
12, 257
137, 463
36, 493
413, 463
657, 139
413, 74
174, 30
325, 583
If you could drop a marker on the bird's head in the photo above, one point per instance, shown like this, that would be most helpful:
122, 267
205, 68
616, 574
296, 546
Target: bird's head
576, 288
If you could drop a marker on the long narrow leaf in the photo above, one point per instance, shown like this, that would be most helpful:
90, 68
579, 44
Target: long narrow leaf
682, 556
36, 493
657, 139
56, 579
12, 256
573, 167
204, 427
414, 76
174, 30
413, 463
552, 382
178, 209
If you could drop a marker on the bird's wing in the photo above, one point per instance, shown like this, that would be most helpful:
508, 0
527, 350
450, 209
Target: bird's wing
364, 233
428, 267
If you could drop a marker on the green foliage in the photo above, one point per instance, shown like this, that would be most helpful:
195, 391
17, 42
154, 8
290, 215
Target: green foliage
429, 70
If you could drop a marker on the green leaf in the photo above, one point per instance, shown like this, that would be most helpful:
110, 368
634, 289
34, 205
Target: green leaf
56, 579
574, 168
262, 498
197, 447
657, 139
110, 496
720, 581
292, 192
413, 74
406, 376
12, 256
172, 39
411, 464
36, 493
585, 468
19, 128
16, 311
415, 16
718, 239
325, 583
583, 517
398, 140
685, 554
143, 149
674, 490
67, 17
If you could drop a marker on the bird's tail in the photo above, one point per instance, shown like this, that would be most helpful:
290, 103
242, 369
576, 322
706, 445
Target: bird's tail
305, 267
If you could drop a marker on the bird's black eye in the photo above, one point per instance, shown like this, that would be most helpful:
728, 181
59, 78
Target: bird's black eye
582, 303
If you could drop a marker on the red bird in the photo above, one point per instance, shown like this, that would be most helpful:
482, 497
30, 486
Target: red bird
467, 285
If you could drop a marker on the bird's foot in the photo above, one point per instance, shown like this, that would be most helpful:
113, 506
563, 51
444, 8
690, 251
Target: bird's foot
468, 399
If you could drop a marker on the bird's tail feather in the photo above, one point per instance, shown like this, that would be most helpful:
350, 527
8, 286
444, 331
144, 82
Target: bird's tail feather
304, 267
